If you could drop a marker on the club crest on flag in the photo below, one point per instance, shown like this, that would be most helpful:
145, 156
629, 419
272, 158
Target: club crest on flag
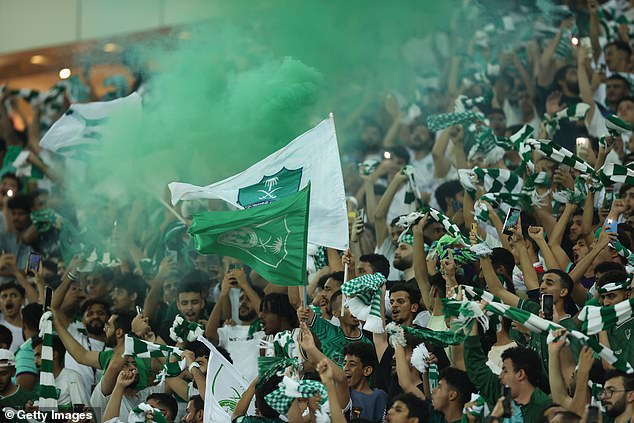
256, 240
271, 188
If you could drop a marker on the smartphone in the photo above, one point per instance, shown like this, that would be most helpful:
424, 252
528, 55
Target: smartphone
387, 155
512, 217
362, 214
33, 264
614, 225
608, 198
547, 306
574, 41
10, 193
233, 266
506, 393
583, 146
48, 296
139, 310
592, 414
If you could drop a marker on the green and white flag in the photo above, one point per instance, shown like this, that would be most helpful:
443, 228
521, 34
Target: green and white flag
272, 238
48, 390
140, 413
364, 300
312, 157
224, 387
596, 319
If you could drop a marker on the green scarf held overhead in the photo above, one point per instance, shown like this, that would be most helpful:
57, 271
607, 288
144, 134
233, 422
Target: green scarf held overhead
140, 412
449, 225
611, 287
461, 255
182, 330
574, 112
596, 319
612, 173
364, 300
560, 154
281, 399
48, 390
445, 120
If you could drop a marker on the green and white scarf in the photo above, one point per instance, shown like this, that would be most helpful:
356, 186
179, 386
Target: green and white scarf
560, 154
364, 300
492, 180
289, 388
478, 409
612, 173
574, 112
48, 390
183, 330
144, 349
596, 319
611, 287
451, 228
445, 120
274, 366
140, 412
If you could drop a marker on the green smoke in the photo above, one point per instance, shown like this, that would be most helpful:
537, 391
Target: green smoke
241, 86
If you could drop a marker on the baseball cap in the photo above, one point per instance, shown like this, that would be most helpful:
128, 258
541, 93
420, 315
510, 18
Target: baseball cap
7, 359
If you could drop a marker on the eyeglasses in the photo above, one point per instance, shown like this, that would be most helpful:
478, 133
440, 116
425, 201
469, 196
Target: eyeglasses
608, 392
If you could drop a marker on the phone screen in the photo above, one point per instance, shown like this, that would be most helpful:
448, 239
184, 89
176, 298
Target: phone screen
547, 306
506, 393
512, 217
608, 199
48, 295
34, 263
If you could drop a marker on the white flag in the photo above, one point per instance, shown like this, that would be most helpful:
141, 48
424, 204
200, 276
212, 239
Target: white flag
87, 124
224, 387
314, 157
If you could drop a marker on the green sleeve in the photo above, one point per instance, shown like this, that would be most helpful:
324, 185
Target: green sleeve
530, 306
104, 358
322, 329
487, 382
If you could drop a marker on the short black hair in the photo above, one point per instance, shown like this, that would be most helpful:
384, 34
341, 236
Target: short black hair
380, 264
628, 379
617, 77
560, 75
364, 351
414, 293
620, 45
132, 284
198, 402
13, 285
564, 279
31, 315
189, 286
20, 201
417, 408
460, 382
93, 301
6, 336
279, 304
525, 359
400, 152
608, 266
123, 321
447, 189
438, 281
12, 175
338, 276
165, 400
503, 257
195, 276
631, 100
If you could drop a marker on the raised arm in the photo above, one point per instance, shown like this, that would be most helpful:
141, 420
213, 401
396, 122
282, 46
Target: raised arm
211, 331
326, 373
579, 292
420, 264
113, 407
536, 233
153, 297
439, 151
380, 216
74, 348
557, 235
494, 285
404, 376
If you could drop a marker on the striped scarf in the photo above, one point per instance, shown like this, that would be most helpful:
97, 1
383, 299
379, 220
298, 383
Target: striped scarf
492, 180
52, 102
536, 324
596, 319
611, 287
460, 255
517, 142
445, 120
274, 366
574, 112
364, 300
182, 330
451, 228
144, 349
560, 155
140, 413
478, 409
48, 390
612, 173
289, 388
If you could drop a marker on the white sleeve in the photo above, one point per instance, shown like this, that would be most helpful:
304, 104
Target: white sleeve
223, 337
98, 400
77, 390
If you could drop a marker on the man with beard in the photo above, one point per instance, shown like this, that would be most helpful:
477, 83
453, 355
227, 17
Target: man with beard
617, 396
404, 260
242, 340
128, 292
90, 334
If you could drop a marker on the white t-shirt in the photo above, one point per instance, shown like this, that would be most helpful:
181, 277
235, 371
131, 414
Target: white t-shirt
16, 331
99, 401
72, 390
495, 356
89, 375
244, 349
437, 323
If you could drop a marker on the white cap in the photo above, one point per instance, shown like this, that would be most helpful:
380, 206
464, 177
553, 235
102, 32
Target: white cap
7, 359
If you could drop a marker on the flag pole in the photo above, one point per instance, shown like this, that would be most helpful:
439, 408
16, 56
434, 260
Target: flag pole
345, 279
171, 209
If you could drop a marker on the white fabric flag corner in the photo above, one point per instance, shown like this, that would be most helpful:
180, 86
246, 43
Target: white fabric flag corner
224, 387
88, 123
312, 157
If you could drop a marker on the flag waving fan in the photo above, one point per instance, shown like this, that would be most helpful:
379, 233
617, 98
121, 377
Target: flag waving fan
312, 157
